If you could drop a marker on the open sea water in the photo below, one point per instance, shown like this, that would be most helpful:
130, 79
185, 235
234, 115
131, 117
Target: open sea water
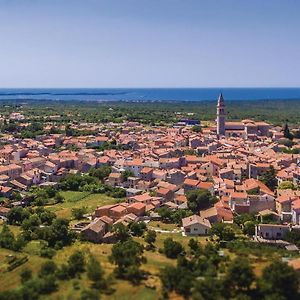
150, 94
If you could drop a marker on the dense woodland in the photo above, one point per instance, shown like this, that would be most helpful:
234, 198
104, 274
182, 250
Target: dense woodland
153, 113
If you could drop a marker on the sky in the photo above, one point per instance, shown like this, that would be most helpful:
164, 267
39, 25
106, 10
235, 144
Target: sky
149, 43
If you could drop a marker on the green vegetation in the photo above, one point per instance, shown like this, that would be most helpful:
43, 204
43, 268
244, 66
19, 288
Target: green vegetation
67, 112
269, 178
199, 200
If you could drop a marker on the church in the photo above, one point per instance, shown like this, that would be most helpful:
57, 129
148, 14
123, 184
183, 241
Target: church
247, 129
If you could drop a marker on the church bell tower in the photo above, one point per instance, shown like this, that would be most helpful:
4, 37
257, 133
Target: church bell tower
221, 116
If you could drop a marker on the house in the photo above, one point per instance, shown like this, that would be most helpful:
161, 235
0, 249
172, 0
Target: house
115, 179
137, 208
271, 231
4, 211
190, 184
95, 231
5, 191
217, 214
296, 211
135, 166
146, 173
165, 194
284, 207
195, 225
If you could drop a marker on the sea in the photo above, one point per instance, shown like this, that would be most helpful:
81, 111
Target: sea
149, 94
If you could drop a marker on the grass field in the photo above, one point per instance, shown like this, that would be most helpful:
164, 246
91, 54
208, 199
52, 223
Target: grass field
79, 199
123, 290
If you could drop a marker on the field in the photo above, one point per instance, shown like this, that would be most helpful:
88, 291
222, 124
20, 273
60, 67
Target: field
71, 289
79, 199
66, 290
121, 290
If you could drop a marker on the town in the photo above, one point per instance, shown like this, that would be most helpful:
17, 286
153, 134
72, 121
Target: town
188, 179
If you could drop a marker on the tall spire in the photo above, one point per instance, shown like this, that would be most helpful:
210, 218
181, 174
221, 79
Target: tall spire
221, 115
221, 99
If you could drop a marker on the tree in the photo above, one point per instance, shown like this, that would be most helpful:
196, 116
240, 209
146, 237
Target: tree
223, 231
249, 228
47, 268
57, 234
95, 273
208, 288
177, 279
269, 178
101, 173
285, 185
165, 214
150, 238
196, 128
127, 256
172, 249
286, 132
79, 212
194, 246
58, 198
281, 280
17, 215
90, 295
76, 263
7, 238
126, 174
293, 237
121, 232
199, 199
26, 275
242, 218
137, 228
239, 275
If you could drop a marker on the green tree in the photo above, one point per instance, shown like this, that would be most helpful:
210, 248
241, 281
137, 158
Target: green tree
196, 128
26, 275
58, 198
90, 295
101, 173
165, 214
17, 215
137, 228
79, 212
280, 280
178, 279
150, 238
127, 256
199, 199
223, 231
76, 263
249, 228
208, 288
269, 178
286, 132
95, 273
239, 275
172, 249
7, 239
126, 174
285, 185
194, 246
47, 268
121, 232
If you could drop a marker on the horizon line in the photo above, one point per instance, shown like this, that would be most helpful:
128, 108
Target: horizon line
167, 87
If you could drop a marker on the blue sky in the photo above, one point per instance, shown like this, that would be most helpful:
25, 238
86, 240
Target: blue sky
149, 43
